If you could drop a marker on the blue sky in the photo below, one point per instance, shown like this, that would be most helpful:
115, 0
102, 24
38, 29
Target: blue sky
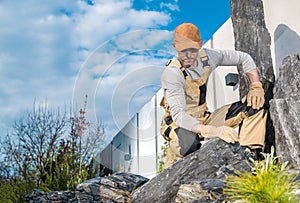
112, 50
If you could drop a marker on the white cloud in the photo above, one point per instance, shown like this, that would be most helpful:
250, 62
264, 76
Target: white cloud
172, 7
105, 19
116, 72
44, 43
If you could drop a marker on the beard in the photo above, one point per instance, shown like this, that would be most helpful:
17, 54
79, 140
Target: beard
188, 63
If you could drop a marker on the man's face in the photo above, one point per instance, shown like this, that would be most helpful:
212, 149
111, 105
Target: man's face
188, 57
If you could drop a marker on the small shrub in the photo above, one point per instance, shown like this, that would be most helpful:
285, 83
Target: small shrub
7, 193
162, 157
269, 182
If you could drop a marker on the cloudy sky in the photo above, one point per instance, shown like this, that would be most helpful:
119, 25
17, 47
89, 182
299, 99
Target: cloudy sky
111, 50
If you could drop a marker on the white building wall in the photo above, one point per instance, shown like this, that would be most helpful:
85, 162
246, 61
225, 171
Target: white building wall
282, 20
150, 140
123, 145
128, 137
218, 93
140, 140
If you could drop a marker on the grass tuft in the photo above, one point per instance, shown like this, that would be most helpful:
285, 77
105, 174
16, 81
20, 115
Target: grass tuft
269, 182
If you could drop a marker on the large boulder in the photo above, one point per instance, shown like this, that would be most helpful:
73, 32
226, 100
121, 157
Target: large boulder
114, 188
252, 36
285, 110
198, 176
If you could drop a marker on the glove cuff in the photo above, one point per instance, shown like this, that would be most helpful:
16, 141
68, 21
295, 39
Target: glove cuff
209, 131
255, 85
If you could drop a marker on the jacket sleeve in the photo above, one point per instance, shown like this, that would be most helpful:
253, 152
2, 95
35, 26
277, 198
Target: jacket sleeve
173, 84
230, 58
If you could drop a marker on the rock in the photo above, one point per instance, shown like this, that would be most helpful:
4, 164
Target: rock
114, 188
252, 37
201, 191
39, 196
190, 192
200, 174
288, 83
285, 111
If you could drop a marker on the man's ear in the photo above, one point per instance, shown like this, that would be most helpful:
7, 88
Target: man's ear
173, 44
200, 43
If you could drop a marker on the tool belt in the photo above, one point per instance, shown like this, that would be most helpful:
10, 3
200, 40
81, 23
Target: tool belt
167, 124
167, 128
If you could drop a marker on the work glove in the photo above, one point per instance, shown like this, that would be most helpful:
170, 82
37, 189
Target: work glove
256, 96
227, 134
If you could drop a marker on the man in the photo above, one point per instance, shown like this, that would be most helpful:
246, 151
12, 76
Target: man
187, 120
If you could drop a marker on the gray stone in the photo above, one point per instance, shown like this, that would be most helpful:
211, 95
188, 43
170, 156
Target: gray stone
205, 169
203, 191
252, 37
190, 192
288, 82
39, 196
114, 188
285, 111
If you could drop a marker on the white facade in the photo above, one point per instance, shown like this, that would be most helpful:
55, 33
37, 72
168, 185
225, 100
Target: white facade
218, 93
282, 20
142, 132
136, 147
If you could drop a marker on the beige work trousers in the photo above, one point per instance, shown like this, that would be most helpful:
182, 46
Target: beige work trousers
251, 133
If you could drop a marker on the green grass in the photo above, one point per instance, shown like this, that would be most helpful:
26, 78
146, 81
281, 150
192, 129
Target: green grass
269, 182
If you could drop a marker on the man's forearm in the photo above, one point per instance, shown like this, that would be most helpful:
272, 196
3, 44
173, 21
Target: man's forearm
255, 97
253, 76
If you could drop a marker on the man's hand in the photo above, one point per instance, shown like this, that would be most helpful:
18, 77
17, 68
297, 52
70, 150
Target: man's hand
256, 95
227, 134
